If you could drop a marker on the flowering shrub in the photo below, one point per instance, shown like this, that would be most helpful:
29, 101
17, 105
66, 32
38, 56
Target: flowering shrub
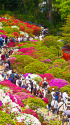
50, 88
32, 112
25, 27
48, 76
34, 103
56, 71
24, 50
16, 99
5, 119
58, 82
66, 75
12, 86
11, 44
46, 60
12, 59
67, 87
36, 67
21, 61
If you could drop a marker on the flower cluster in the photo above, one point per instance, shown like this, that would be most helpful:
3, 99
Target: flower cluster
10, 107
19, 25
14, 88
48, 76
32, 112
58, 82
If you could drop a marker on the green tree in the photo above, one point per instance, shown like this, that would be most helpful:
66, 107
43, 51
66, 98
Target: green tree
63, 6
66, 30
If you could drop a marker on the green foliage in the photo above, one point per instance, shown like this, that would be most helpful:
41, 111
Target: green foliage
36, 67
55, 88
66, 88
34, 103
22, 61
9, 30
63, 6
56, 71
59, 61
5, 119
66, 75
53, 122
50, 40
66, 30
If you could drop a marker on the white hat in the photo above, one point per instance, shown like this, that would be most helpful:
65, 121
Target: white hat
52, 88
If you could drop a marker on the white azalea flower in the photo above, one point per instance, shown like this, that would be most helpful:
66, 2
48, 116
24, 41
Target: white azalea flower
21, 32
15, 27
28, 119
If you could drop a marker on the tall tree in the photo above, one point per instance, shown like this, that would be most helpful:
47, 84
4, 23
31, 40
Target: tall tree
66, 30
50, 10
22, 1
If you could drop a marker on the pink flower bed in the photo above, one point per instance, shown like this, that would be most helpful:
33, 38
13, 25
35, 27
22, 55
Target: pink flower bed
13, 86
16, 99
23, 95
11, 44
21, 44
24, 50
31, 112
48, 76
12, 59
58, 82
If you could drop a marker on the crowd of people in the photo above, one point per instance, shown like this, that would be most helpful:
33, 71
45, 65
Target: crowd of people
57, 102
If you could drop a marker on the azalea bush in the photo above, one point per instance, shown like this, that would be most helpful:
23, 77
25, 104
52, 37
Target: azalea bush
15, 111
36, 67
56, 71
58, 82
48, 76
67, 87
66, 75
6, 119
34, 103
21, 61
14, 27
50, 88
13, 87
50, 40
32, 112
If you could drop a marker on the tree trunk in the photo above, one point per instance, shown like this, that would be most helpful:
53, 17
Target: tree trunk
24, 6
50, 11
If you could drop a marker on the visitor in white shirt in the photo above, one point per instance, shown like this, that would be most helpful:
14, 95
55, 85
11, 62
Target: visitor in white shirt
53, 92
65, 96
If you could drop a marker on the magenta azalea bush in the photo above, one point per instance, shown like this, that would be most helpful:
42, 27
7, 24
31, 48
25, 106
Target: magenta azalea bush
14, 87
48, 76
17, 99
32, 112
12, 59
58, 82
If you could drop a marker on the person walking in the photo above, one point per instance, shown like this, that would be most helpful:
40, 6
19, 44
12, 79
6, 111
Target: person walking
49, 97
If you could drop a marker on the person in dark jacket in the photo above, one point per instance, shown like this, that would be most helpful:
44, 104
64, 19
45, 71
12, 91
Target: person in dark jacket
31, 83
49, 97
